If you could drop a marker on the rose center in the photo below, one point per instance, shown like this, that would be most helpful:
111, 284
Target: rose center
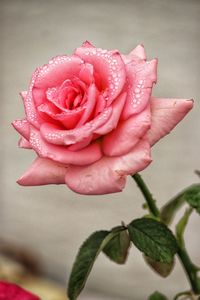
70, 95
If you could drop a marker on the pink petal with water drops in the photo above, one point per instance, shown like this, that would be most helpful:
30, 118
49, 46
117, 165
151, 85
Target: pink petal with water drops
43, 171
108, 175
166, 114
141, 77
127, 134
108, 65
53, 134
86, 156
23, 127
57, 70
29, 104
117, 107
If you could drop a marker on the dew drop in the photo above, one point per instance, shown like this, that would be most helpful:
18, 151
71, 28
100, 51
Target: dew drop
137, 90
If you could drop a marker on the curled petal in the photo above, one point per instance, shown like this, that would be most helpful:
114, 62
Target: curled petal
43, 171
23, 94
80, 145
108, 175
23, 143
117, 107
87, 73
29, 105
108, 65
57, 70
127, 134
87, 44
60, 154
23, 127
137, 53
101, 105
141, 77
39, 96
166, 114
90, 104
53, 134
69, 118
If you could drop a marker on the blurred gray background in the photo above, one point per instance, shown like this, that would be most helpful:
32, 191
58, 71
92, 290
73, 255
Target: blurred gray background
52, 221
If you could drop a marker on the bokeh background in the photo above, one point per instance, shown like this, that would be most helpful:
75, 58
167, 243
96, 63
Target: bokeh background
52, 221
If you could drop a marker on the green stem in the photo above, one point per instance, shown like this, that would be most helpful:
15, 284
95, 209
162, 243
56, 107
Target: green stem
147, 195
190, 269
181, 226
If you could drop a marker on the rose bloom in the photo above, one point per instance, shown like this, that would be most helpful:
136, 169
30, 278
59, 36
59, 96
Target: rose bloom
10, 291
91, 119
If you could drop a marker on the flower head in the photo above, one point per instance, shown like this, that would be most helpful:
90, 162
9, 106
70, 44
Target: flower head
92, 120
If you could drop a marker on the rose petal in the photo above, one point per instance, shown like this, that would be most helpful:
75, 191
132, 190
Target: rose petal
54, 135
117, 107
87, 44
23, 143
141, 77
139, 52
87, 73
80, 145
166, 114
90, 104
43, 171
108, 175
127, 134
100, 105
57, 70
69, 118
29, 105
108, 65
136, 54
10, 291
23, 127
39, 96
23, 94
61, 154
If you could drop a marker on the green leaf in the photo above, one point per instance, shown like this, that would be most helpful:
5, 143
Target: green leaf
191, 195
157, 296
85, 260
118, 247
162, 269
154, 239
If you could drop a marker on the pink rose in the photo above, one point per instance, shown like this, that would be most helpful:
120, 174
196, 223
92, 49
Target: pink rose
92, 121
10, 291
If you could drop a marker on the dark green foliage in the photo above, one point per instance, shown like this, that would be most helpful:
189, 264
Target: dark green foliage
154, 239
117, 248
